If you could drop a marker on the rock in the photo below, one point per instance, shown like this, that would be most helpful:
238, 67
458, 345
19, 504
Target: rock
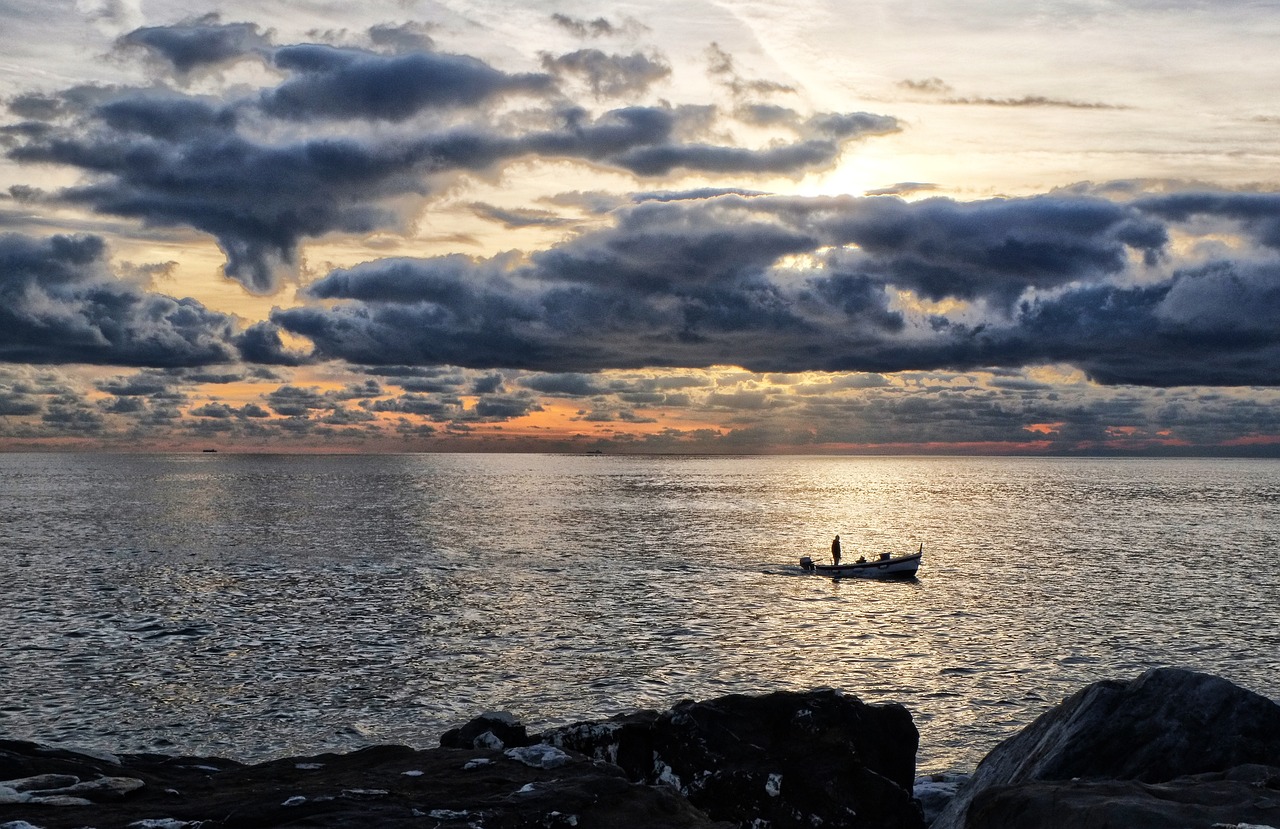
492, 730
1247, 795
783, 760
360, 789
934, 792
539, 756
1170, 727
40, 782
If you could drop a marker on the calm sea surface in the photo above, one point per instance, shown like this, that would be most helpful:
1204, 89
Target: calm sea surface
254, 606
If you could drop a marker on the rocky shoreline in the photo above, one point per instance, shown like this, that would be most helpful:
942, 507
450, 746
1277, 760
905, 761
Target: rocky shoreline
1171, 748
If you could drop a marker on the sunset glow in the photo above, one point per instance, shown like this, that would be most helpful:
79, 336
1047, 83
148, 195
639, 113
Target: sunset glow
640, 228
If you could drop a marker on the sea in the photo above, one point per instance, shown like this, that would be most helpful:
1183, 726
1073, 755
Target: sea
261, 606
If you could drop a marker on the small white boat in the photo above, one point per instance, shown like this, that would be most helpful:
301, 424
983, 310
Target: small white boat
884, 567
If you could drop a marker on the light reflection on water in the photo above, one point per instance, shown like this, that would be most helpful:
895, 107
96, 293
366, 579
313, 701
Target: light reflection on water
256, 606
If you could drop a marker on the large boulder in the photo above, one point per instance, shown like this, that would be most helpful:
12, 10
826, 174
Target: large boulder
1244, 796
782, 760
1164, 736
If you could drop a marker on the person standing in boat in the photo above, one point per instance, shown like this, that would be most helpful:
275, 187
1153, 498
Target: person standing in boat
835, 551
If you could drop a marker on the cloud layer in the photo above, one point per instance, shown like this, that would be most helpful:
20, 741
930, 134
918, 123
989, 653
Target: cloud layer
347, 130
686, 293
785, 284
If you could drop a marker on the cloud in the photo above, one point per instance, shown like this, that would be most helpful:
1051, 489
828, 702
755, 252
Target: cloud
416, 404
514, 218
257, 200
609, 75
345, 83
293, 401
59, 304
1032, 101
404, 37
142, 384
565, 385
261, 343
198, 44
993, 250
722, 68
688, 195
1257, 214
350, 141
70, 414
699, 283
495, 408
933, 86
17, 399
903, 188
599, 27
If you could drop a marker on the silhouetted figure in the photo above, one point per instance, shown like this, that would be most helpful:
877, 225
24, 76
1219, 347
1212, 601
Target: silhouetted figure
835, 550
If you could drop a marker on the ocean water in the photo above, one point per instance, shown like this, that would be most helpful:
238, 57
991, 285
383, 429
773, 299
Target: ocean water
256, 606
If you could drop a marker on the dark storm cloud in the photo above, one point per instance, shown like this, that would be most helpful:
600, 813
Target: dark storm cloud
220, 411
1217, 325
416, 404
123, 405
319, 152
565, 385
59, 304
992, 250
669, 286
292, 401
643, 140
17, 402
71, 414
428, 380
344, 83
142, 384
168, 118
261, 343
405, 37
1258, 214
209, 376
257, 200
361, 391
488, 384
608, 74
706, 282
200, 43
495, 408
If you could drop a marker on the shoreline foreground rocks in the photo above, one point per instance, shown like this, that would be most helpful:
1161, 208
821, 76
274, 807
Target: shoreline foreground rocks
1171, 748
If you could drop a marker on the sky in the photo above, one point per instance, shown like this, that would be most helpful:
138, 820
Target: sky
707, 226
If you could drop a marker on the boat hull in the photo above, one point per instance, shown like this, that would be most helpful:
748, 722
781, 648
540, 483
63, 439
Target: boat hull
903, 567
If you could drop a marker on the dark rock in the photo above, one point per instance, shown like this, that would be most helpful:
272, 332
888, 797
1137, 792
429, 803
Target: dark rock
935, 791
783, 759
383, 786
1246, 795
1169, 726
491, 730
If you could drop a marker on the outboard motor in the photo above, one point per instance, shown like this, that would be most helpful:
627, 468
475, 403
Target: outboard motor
806, 563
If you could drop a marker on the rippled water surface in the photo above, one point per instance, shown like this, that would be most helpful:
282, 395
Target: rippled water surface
257, 606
